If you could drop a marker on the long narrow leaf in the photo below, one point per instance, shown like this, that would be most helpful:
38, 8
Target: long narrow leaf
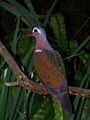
80, 28
14, 44
30, 7
17, 9
4, 97
80, 47
49, 12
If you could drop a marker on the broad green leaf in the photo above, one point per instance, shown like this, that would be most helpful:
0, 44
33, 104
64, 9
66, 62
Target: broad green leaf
57, 110
59, 29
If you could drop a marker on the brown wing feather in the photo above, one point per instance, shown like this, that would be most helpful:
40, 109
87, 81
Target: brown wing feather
49, 69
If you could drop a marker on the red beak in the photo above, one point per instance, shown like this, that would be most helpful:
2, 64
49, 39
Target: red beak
30, 34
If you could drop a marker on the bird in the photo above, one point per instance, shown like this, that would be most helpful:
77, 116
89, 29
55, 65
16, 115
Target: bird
49, 66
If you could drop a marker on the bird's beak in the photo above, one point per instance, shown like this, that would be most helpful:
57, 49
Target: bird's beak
30, 34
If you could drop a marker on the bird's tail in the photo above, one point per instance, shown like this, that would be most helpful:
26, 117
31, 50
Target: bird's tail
65, 102
62, 96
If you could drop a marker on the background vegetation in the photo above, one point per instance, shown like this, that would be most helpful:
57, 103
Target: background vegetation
67, 24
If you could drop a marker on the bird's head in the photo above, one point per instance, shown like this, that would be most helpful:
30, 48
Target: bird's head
38, 33
41, 40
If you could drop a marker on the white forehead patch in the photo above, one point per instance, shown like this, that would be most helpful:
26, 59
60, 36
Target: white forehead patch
38, 30
38, 50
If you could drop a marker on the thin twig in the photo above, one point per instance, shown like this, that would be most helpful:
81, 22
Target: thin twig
24, 81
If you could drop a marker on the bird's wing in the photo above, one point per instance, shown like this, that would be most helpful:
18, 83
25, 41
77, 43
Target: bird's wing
50, 68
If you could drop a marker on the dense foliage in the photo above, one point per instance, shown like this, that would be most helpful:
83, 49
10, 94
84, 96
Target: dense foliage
67, 26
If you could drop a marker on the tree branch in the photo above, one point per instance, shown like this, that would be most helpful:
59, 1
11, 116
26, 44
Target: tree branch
24, 81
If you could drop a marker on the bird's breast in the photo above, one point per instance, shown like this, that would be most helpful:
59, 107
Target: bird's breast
48, 70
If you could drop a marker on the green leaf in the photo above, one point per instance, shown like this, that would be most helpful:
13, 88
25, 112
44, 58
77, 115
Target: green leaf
42, 108
86, 110
14, 43
73, 46
49, 13
79, 48
19, 10
59, 30
30, 7
57, 110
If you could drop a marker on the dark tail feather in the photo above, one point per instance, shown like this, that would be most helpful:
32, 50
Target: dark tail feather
65, 102
62, 96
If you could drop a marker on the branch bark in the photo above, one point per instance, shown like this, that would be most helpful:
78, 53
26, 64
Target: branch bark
24, 81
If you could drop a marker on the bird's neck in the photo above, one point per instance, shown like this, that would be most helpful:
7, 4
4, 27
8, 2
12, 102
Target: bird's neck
43, 44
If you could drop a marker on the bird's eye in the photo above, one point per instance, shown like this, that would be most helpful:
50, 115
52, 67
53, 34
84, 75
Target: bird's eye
35, 30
